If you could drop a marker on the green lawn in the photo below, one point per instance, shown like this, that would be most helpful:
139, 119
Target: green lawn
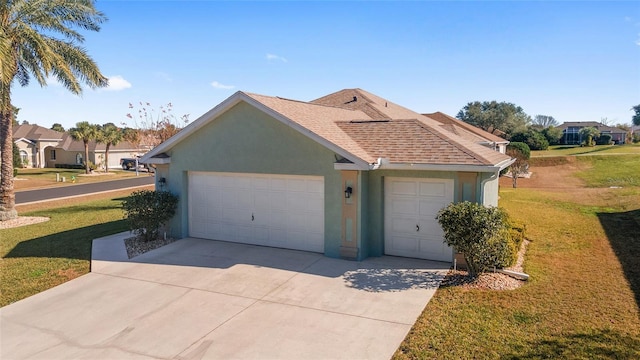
38, 257
583, 298
567, 150
605, 171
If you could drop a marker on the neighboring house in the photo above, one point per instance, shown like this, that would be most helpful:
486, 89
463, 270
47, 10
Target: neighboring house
571, 132
42, 147
470, 132
349, 175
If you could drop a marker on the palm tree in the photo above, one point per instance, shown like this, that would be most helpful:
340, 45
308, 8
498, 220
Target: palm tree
29, 48
84, 132
109, 135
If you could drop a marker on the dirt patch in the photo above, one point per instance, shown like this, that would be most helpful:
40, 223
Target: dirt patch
22, 221
552, 175
136, 247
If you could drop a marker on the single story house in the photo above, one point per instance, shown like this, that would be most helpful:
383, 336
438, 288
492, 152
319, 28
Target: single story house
571, 132
41, 147
350, 175
470, 132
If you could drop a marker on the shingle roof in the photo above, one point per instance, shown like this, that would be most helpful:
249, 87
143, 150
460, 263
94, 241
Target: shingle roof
35, 133
464, 129
371, 127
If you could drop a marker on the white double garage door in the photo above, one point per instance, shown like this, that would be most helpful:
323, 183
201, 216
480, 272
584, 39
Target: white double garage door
287, 211
262, 209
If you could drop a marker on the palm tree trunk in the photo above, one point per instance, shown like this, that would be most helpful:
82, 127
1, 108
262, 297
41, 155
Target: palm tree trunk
86, 157
106, 157
7, 196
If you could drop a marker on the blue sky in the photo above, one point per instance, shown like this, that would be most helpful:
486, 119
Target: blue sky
576, 61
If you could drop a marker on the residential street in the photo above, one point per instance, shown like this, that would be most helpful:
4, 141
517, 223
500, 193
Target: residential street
28, 196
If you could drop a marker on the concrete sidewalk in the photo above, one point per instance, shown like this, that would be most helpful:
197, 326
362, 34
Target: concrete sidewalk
203, 299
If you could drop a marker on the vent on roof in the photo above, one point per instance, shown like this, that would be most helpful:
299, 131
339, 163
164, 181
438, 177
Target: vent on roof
355, 98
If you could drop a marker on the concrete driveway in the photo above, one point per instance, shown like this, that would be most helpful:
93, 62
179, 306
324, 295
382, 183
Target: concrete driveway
203, 299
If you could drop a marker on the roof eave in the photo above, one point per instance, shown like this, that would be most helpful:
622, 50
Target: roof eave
386, 165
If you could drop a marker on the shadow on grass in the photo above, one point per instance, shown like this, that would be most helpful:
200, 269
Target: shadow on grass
72, 244
622, 230
604, 344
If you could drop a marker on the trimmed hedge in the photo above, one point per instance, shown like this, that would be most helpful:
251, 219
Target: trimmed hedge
70, 166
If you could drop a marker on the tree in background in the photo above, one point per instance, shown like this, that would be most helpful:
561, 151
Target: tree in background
588, 134
531, 137
57, 127
521, 153
636, 118
605, 121
492, 116
552, 134
109, 135
16, 110
156, 126
84, 132
545, 121
29, 48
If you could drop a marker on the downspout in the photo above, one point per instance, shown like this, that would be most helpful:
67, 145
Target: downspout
483, 182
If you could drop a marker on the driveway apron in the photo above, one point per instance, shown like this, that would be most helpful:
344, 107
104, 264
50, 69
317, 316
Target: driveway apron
204, 299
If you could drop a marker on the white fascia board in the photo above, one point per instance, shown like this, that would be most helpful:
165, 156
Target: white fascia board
25, 140
348, 166
194, 126
435, 167
155, 160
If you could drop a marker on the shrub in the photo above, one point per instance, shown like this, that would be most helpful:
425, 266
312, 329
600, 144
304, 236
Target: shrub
148, 210
604, 139
17, 159
552, 134
531, 137
15, 172
69, 166
522, 148
483, 235
92, 166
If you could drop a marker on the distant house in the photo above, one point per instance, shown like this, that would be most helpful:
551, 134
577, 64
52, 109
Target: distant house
41, 147
571, 132
469, 132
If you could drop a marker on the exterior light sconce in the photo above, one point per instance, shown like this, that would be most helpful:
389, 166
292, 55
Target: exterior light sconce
162, 182
347, 192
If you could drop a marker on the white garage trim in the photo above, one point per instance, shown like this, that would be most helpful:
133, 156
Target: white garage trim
410, 225
285, 211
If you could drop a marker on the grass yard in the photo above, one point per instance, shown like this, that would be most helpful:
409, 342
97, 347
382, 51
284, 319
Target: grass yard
40, 256
567, 150
583, 299
45, 177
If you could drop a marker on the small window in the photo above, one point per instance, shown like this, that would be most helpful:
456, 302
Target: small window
53, 154
79, 159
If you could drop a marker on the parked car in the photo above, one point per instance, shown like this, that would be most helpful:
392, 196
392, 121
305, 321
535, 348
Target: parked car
130, 163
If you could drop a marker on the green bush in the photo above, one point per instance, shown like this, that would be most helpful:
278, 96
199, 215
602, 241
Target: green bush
17, 159
15, 172
531, 137
483, 235
69, 166
604, 139
147, 210
522, 148
92, 166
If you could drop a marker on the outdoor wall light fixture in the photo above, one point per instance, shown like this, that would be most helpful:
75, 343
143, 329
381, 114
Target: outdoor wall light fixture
347, 192
162, 181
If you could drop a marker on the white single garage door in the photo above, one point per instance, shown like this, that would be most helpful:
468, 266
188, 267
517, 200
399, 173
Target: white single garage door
272, 210
410, 225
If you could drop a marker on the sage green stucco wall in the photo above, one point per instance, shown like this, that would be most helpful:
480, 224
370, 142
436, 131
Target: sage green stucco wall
246, 140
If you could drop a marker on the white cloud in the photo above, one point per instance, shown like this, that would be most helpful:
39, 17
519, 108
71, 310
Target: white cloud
638, 41
117, 83
272, 57
218, 85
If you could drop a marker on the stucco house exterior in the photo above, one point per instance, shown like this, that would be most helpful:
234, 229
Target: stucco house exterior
42, 147
571, 132
350, 175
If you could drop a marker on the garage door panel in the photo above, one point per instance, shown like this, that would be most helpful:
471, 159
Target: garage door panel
437, 189
274, 210
410, 202
403, 206
399, 187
